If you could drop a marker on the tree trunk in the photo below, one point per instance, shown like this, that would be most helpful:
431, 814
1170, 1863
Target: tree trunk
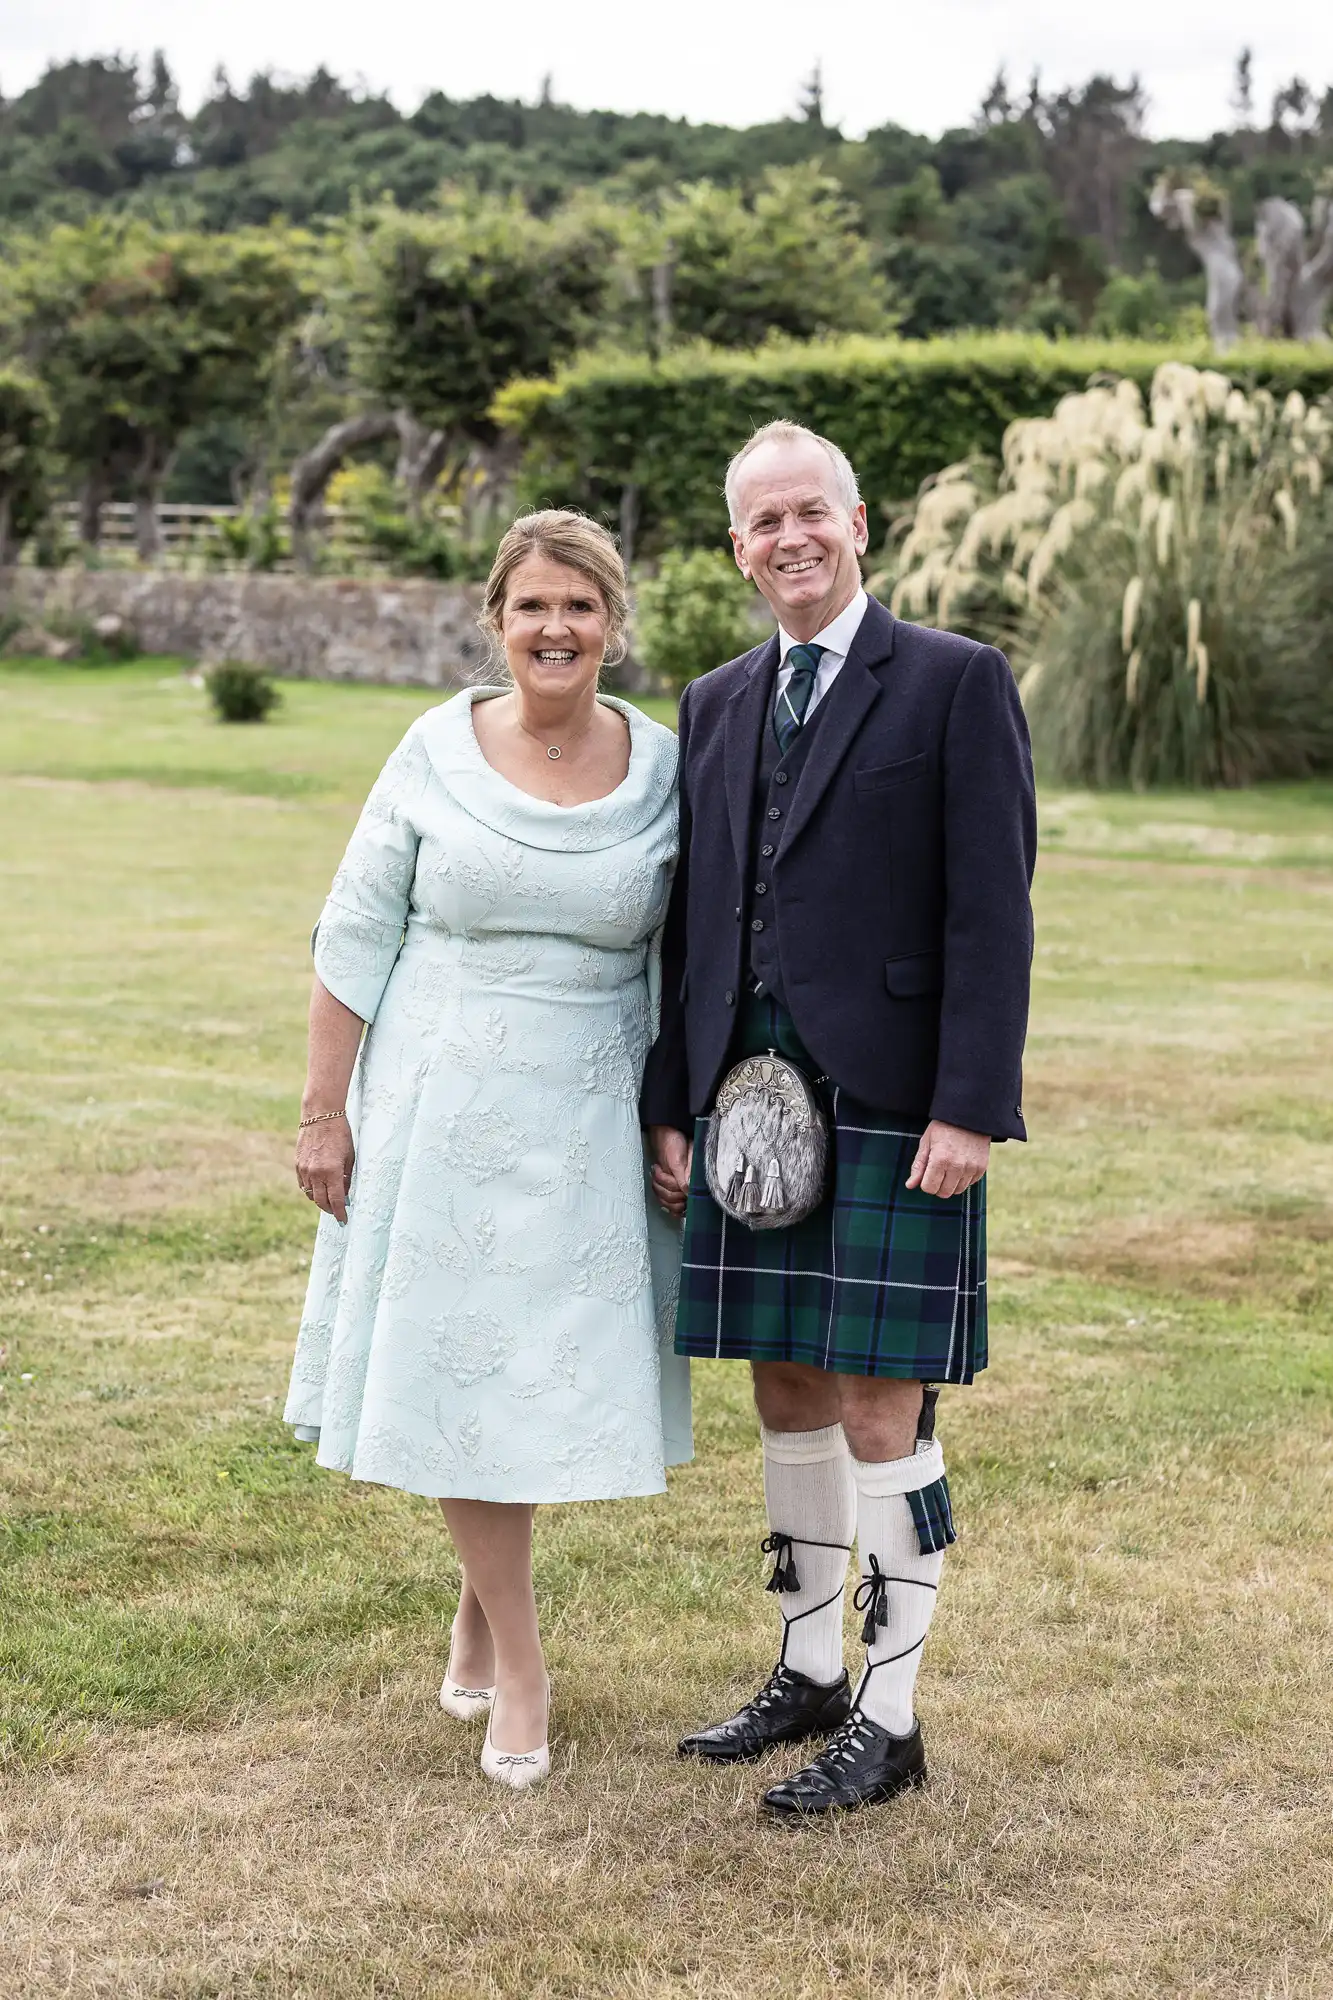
1279, 233
315, 468
662, 276
422, 456
629, 521
1314, 285
1215, 247
148, 478
92, 495
9, 548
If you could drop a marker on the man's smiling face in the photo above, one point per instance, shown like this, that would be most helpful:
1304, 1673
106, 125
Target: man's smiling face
794, 537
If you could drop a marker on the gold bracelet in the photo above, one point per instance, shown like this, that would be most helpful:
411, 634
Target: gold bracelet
319, 1118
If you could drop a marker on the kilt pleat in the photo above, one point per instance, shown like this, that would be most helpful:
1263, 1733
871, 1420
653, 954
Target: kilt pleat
877, 1281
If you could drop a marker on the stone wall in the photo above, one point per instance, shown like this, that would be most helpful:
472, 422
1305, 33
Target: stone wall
310, 628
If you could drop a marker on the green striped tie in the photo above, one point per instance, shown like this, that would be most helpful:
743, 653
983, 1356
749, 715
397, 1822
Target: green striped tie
790, 707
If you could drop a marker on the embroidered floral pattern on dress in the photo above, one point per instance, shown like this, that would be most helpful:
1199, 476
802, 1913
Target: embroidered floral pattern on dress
494, 1320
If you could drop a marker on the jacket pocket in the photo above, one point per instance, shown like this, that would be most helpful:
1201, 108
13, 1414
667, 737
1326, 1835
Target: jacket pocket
883, 777
914, 974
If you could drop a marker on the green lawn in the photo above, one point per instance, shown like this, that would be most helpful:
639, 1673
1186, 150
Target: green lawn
225, 1773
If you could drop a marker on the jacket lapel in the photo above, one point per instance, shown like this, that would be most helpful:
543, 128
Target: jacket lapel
747, 712
850, 699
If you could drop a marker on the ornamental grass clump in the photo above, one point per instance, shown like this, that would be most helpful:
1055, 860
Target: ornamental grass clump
1149, 573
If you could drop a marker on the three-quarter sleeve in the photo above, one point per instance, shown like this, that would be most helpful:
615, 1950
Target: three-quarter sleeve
360, 930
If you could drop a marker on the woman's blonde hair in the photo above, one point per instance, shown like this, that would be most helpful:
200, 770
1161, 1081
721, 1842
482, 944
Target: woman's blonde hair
562, 536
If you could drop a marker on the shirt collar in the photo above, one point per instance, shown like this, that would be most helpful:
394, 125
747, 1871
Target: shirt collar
837, 635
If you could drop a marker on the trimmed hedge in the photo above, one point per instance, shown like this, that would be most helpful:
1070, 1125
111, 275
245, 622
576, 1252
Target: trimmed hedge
900, 409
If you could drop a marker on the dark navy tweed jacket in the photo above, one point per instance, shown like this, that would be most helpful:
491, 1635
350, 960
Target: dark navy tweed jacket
900, 886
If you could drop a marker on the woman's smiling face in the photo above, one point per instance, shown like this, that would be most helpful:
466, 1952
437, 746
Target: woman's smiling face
794, 536
555, 625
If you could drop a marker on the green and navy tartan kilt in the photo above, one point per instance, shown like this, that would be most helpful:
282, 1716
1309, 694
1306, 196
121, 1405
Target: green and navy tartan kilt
877, 1281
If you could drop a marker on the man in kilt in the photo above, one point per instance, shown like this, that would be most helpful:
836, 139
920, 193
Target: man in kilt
858, 830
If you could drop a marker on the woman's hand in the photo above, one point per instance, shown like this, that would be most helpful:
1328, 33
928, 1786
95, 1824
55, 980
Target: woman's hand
325, 1157
673, 1157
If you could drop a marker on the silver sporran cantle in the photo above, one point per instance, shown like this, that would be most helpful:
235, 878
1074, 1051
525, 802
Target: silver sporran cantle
767, 1149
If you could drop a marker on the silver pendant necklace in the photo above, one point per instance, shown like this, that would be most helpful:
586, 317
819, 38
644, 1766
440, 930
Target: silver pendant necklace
553, 750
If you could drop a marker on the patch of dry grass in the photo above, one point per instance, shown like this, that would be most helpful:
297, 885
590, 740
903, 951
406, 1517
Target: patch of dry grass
227, 1773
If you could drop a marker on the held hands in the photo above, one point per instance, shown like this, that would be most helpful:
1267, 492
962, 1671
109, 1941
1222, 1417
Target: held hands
948, 1159
673, 1157
325, 1156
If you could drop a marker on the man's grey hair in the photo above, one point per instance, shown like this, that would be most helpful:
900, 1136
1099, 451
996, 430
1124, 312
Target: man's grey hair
782, 432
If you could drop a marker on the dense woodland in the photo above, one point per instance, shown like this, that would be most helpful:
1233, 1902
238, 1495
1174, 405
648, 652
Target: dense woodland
219, 305
1020, 218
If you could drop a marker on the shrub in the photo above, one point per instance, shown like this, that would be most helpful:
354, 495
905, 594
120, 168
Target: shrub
1154, 575
257, 538
26, 425
900, 409
696, 613
241, 693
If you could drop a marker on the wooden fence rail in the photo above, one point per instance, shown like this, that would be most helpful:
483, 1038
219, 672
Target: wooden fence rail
192, 538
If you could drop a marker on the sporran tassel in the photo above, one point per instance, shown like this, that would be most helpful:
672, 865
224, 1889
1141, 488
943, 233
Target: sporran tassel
773, 1195
748, 1201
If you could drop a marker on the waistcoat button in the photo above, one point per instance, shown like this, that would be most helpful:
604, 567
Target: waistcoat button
774, 812
779, 777
757, 925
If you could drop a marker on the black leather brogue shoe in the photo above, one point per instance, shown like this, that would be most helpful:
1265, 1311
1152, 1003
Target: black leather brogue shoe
860, 1765
788, 1708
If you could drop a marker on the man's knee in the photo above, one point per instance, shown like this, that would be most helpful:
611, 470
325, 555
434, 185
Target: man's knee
792, 1397
882, 1417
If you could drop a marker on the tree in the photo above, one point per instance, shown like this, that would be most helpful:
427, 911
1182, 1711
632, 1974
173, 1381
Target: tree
440, 310
710, 263
1094, 140
811, 99
140, 334
1202, 215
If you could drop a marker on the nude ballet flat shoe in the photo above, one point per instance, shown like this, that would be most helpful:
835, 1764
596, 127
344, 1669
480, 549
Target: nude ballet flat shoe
464, 1702
456, 1699
517, 1769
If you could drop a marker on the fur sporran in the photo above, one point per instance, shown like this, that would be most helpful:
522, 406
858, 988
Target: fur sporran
767, 1150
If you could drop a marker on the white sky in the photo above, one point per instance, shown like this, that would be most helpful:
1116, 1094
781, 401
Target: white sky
925, 66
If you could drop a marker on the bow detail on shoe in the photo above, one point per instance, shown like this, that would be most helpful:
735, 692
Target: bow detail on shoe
872, 1597
784, 1575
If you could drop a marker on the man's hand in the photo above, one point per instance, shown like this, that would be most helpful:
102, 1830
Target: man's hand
673, 1157
948, 1159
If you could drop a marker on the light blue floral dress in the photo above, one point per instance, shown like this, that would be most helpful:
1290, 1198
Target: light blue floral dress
494, 1322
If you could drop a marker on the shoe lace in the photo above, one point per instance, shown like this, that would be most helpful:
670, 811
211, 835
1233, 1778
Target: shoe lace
850, 1740
774, 1687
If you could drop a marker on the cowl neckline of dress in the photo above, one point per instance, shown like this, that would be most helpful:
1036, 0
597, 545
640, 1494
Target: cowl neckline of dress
450, 741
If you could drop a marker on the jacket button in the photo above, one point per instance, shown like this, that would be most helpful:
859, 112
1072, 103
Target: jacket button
775, 812
738, 913
761, 888
730, 998
757, 925
766, 850
779, 777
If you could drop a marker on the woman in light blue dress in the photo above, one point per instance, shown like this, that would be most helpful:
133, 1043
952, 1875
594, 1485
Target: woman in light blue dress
490, 1309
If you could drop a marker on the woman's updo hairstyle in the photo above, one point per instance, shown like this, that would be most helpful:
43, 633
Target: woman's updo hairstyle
562, 536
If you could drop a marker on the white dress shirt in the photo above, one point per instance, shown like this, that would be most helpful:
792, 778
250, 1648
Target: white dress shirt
836, 639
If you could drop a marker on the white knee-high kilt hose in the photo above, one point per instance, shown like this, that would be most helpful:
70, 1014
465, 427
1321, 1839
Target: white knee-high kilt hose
903, 1526
812, 1518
